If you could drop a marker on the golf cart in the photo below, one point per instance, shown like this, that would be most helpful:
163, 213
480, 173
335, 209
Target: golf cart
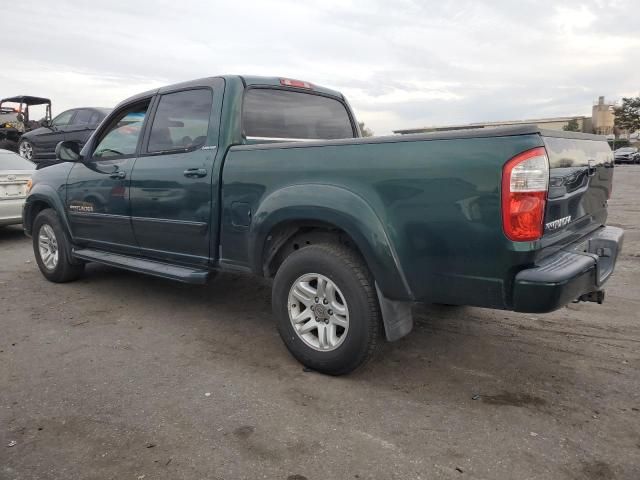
15, 119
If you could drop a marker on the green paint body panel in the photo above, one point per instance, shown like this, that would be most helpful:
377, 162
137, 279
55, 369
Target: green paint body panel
424, 210
426, 214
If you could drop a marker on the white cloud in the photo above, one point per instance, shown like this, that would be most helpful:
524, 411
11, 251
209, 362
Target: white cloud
573, 17
402, 64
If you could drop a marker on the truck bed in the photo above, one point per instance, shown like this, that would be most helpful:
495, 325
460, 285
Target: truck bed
489, 132
436, 197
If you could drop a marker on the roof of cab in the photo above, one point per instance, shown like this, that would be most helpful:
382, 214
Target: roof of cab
27, 99
251, 80
248, 80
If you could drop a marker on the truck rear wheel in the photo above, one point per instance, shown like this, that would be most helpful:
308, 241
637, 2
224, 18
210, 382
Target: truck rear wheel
51, 246
326, 308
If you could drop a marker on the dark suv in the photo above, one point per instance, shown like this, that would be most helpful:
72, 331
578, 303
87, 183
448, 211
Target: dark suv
76, 125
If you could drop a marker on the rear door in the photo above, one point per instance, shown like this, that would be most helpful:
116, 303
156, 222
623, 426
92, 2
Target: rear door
171, 188
98, 202
580, 180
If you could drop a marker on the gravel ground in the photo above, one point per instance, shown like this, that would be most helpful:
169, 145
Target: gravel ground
122, 376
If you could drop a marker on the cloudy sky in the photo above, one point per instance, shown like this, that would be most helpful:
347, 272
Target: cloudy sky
402, 64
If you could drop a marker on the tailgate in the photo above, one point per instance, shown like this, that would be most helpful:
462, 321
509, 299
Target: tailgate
13, 184
580, 177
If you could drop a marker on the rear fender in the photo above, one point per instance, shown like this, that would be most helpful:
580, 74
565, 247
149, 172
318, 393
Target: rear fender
341, 208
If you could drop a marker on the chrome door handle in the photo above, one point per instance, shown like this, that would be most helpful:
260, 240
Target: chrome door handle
195, 172
118, 175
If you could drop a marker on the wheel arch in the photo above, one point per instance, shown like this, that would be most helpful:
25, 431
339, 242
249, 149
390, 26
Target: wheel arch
40, 198
315, 211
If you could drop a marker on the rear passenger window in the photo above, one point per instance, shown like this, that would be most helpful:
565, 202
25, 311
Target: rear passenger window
181, 121
285, 114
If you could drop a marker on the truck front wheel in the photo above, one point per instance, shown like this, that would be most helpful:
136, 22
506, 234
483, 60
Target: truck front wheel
326, 308
51, 247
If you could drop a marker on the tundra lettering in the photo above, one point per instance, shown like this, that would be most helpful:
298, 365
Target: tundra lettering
271, 176
561, 222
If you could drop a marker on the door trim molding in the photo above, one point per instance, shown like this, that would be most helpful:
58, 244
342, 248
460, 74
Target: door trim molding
138, 219
170, 221
104, 216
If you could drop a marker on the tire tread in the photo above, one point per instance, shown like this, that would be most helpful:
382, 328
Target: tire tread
352, 260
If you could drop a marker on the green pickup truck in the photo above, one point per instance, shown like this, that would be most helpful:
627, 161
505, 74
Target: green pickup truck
271, 176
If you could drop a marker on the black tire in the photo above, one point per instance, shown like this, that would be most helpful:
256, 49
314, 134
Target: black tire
346, 269
64, 270
23, 151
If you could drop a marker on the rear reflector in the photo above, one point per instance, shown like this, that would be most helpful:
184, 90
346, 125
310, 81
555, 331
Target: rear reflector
525, 183
287, 82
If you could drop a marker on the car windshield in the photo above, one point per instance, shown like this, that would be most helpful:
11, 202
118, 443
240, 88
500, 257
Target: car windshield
11, 161
626, 150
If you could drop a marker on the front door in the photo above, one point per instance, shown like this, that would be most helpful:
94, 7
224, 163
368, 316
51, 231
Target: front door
45, 143
171, 186
98, 188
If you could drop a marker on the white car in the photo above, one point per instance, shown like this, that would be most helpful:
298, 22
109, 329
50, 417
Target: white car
15, 173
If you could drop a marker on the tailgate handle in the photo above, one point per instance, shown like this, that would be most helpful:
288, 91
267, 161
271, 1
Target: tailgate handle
591, 171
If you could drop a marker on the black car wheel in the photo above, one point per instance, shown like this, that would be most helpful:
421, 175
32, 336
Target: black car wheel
326, 308
25, 149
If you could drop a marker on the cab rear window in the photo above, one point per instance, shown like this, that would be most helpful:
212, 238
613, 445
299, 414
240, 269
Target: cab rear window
290, 115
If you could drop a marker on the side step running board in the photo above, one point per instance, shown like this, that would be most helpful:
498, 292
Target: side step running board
141, 265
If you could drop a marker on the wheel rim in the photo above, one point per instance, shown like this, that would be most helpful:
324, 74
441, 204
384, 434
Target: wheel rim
26, 150
48, 247
318, 312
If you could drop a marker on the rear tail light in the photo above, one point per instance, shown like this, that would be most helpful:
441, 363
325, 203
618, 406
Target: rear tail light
525, 183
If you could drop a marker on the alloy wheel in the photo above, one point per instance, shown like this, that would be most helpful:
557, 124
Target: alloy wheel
26, 150
318, 312
48, 247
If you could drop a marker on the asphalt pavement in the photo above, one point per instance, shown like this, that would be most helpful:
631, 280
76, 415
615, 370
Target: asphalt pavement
123, 376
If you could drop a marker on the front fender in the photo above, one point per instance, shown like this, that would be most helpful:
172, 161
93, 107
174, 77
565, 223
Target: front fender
47, 194
336, 206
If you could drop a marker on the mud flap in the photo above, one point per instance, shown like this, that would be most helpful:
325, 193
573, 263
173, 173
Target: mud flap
396, 316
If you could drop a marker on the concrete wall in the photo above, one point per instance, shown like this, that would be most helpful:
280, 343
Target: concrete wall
560, 124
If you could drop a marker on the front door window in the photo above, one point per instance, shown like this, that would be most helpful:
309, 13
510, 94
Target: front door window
121, 138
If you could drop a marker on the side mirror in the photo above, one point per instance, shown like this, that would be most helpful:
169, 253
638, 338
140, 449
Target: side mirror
45, 123
68, 151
